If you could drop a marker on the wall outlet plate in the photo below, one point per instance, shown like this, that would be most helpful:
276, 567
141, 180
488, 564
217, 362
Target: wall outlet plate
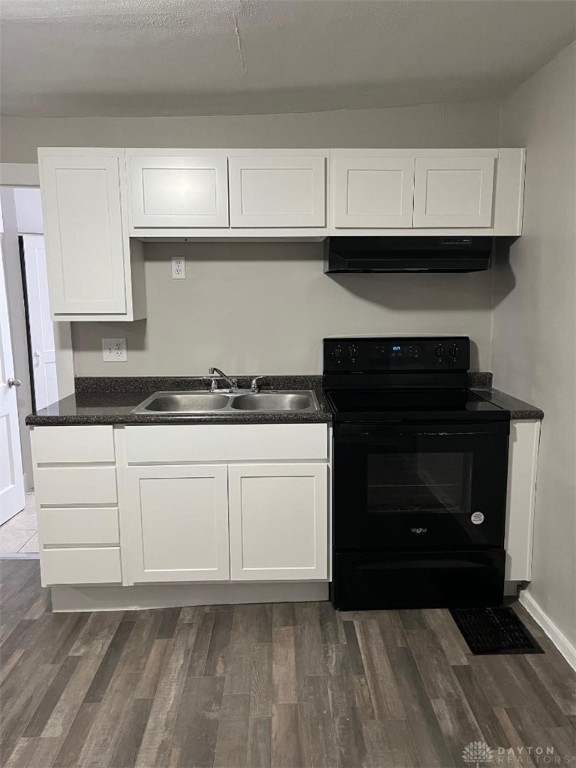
114, 351
178, 268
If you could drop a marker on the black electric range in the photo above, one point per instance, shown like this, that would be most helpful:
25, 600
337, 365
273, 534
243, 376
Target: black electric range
390, 406
419, 475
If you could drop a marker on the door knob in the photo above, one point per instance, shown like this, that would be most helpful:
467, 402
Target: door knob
14, 383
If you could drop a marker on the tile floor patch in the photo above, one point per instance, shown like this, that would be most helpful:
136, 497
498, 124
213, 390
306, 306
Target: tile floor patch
13, 541
19, 534
31, 545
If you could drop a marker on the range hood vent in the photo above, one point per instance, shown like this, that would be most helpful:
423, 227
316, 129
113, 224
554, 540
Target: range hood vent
411, 253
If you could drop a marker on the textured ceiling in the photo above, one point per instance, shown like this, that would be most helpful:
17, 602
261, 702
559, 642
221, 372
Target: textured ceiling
196, 57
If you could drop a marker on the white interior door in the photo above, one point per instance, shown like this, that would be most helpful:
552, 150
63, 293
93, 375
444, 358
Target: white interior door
41, 327
11, 475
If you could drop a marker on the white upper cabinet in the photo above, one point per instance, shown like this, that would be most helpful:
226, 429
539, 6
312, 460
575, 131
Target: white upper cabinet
91, 273
84, 237
277, 190
372, 192
278, 522
454, 191
177, 189
178, 523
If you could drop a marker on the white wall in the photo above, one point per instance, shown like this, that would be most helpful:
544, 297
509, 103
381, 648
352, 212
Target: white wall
434, 125
28, 211
257, 307
265, 307
534, 342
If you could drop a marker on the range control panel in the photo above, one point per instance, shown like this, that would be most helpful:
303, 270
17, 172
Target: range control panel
407, 353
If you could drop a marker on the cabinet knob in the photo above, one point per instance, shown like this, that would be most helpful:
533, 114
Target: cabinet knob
14, 383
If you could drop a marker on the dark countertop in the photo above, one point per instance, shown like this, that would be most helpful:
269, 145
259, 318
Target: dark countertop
111, 400
519, 410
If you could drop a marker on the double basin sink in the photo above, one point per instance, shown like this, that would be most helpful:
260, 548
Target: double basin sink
200, 402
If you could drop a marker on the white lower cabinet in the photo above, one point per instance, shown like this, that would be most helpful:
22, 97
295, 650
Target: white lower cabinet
278, 522
522, 467
135, 506
77, 500
239, 522
85, 565
178, 523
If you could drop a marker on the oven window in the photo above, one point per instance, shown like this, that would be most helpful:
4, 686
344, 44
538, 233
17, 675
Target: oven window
419, 482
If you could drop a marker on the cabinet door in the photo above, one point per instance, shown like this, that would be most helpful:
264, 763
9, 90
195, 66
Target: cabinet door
453, 191
278, 191
85, 246
178, 191
178, 523
278, 522
373, 192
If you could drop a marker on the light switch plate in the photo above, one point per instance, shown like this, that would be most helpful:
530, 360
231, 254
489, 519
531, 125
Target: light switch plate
114, 351
178, 268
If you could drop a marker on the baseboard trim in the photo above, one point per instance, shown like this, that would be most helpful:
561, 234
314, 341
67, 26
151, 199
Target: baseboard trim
566, 648
113, 598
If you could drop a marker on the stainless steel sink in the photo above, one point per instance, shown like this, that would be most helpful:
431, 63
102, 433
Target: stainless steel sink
183, 402
273, 401
201, 402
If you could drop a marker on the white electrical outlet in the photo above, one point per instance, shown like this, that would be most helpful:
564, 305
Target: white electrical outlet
178, 268
114, 350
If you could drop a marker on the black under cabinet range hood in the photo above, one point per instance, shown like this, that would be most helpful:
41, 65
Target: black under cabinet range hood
411, 253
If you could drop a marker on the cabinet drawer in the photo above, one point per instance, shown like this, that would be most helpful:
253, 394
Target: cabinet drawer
226, 442
79, 526
81, 566
75, 485
73, 445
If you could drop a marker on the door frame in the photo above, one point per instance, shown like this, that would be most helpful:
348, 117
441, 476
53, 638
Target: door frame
14, 175
16, 490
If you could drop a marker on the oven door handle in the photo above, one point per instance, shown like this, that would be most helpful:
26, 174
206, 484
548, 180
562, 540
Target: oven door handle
384, 437
392, 435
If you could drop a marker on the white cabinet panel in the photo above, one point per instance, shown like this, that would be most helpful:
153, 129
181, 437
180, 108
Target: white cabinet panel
63, 486
523, 460
186, 190
453, 191
172, 444
73, 445
78, 526
87, 565
278, 522
278, 191
84, 237
372, 192
178, 523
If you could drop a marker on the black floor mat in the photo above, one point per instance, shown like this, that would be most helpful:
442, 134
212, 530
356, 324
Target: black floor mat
494, 630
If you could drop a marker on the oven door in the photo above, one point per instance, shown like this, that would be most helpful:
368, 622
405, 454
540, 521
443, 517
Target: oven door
422, 487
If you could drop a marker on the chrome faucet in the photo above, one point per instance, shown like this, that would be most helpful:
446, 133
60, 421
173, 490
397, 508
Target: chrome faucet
216, 374
255, 386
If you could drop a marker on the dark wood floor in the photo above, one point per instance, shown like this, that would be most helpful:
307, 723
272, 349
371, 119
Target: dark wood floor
286, 685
